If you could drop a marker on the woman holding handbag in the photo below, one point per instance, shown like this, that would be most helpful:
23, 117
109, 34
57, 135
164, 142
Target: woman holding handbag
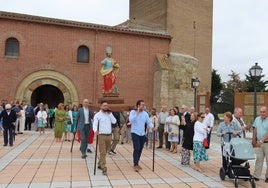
200, 133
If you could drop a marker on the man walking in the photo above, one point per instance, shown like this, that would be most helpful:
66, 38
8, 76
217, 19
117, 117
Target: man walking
9, 118
102, 126
138, 118
162, 120
84, 124
260, 142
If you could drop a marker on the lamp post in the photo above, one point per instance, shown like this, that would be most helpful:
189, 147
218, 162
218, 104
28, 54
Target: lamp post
255, 72
195, 84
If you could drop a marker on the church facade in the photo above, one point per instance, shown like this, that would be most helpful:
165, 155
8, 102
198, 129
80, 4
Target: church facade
52, 60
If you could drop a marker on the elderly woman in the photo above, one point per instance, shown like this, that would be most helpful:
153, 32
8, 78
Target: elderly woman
200, 133
172, 127
227, 129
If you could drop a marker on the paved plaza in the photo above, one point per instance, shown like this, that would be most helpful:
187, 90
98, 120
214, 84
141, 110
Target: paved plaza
37, 161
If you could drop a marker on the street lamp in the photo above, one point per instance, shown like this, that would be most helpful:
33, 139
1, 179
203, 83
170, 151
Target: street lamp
255, 72
195, 84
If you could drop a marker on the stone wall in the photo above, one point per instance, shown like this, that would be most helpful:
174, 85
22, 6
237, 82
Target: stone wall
172, 85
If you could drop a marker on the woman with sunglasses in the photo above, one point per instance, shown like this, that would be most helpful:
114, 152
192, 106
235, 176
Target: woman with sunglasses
200, 133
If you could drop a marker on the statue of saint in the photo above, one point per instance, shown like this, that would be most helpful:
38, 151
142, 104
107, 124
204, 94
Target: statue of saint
108, 71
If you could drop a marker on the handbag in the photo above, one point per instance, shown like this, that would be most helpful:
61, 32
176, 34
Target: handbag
206, 143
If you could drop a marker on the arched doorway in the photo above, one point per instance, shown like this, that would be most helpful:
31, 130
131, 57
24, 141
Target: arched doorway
47, 94
47, 86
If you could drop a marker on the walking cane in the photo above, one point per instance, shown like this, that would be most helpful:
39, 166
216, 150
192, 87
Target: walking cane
96, 150
73, 138
153, 144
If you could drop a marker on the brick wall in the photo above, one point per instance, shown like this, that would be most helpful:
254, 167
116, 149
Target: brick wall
46, 46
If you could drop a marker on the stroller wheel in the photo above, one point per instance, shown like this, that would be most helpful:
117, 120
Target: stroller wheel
236, 182
222, 173
252, 182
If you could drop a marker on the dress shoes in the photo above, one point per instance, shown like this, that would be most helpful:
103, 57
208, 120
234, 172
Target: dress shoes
89, 151
136, 168
256, 179
104, 173
266, 180
5, 145
11, 145
112, 152
84, 156
159, 147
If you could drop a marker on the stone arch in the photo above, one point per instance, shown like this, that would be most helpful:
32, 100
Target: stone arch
47, 77
13, 34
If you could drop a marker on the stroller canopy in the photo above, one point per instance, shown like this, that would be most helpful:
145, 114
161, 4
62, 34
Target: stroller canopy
242, 149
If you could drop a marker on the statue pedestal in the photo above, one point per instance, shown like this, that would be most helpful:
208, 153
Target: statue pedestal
116, 103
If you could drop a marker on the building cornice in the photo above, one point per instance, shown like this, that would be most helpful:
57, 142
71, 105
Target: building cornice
77, 24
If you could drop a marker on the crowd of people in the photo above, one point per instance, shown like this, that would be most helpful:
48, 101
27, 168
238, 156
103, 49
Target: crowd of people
170, 128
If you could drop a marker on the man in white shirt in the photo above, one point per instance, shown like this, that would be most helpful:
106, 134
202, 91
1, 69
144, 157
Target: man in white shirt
209, 122
102, 126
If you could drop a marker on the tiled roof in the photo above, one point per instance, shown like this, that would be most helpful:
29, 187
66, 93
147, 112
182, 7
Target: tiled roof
69, 23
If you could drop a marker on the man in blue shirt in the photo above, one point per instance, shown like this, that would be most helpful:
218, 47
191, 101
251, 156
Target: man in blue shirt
138, 118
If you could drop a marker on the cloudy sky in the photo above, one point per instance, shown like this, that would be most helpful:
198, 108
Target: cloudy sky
239, 30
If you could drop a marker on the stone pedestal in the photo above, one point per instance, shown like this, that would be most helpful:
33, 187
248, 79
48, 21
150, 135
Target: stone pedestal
115, 102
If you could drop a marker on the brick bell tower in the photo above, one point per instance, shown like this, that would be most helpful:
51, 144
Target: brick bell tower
189, 22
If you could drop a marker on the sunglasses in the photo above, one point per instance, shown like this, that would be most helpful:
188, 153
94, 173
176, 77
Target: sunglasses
202, 117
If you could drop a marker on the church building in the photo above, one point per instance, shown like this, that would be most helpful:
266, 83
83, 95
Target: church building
163, 45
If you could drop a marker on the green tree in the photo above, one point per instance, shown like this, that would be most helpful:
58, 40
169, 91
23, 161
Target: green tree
260, 84
222, 98
235, 83
216, 84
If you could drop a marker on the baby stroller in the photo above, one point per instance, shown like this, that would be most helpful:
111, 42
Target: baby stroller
237, 152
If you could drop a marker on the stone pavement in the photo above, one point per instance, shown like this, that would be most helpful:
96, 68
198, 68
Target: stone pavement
37, 161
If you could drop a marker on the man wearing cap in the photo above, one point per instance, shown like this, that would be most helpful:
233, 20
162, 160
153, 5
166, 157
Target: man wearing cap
9, 118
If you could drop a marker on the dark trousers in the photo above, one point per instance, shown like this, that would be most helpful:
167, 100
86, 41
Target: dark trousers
84, 132
138, 143
51, 121
161, 134
8, 135
208, 137
28, 123
167, 143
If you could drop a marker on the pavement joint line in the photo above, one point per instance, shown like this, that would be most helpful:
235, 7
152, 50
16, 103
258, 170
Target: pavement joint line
10, 156
39, 146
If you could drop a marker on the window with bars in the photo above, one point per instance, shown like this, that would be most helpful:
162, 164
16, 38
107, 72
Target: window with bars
83, 54
12, 47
